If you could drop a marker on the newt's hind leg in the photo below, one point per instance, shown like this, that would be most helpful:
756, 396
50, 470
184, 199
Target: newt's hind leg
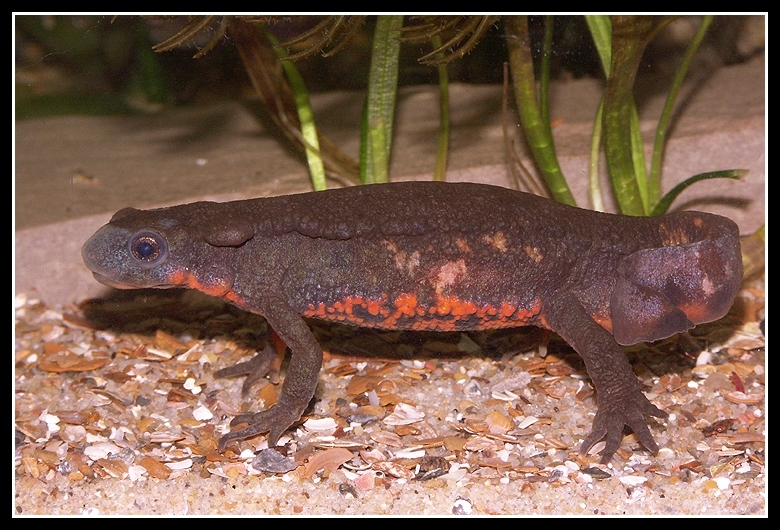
620, 399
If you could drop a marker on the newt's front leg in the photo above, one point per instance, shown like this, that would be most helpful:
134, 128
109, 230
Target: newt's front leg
299, 384
619, 396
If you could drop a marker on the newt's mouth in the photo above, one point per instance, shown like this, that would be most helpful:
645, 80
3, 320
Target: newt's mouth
105, 280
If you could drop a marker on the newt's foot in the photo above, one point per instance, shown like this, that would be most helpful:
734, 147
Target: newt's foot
614, 413
274, 421
254, 369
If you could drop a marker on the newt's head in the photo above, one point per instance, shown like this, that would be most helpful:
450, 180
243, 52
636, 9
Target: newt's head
163, 248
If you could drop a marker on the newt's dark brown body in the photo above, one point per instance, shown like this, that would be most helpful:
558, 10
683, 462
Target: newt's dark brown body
437, 256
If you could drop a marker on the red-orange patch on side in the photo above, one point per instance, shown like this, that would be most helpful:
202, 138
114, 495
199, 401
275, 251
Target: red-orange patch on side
188, 279
449, 313
407, 304
182, 278
697, 313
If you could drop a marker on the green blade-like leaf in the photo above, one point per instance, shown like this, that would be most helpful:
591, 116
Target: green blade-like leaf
601, 30
544, 74
630, 35
654, 179
305, 115
442, 149
663, 205
380, 102
272, 85
594, 185
638, 158
537, 133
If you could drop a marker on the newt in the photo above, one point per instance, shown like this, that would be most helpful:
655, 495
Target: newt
436, 256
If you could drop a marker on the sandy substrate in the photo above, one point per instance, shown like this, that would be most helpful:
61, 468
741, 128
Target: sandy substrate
118, 412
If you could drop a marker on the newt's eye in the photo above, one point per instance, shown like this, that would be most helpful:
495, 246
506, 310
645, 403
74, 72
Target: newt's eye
148, 247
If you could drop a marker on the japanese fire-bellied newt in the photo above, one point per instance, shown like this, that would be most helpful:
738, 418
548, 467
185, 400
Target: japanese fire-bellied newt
436, 256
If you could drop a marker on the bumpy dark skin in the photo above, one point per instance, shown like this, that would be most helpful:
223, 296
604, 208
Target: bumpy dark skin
436, 256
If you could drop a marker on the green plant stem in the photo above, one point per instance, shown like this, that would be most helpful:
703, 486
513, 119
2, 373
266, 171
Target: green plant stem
305, 115
638, 156
654, 178
594, 185
537, 133
544, 74
273, 88
440, 168
380, 101
601, 30
630, 35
